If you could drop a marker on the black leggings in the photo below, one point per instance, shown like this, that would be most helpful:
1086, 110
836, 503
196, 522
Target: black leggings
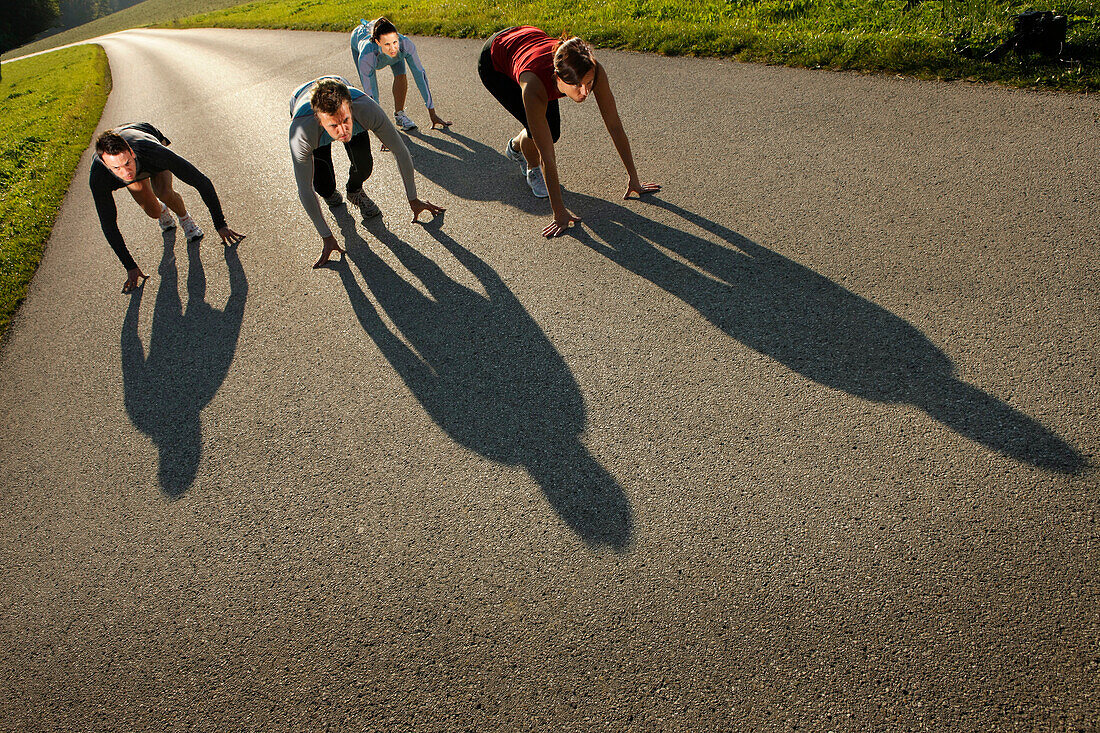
508, 93
362, 164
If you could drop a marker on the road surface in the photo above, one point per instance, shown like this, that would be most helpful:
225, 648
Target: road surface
808, 440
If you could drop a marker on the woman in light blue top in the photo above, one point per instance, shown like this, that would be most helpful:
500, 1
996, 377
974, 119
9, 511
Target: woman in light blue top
378, 44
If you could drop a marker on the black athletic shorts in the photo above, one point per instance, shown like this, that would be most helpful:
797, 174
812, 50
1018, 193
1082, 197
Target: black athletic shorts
508, 93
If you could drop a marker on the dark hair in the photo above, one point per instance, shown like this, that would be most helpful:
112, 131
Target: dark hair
328, 95
380, 28
111, 143
573, 58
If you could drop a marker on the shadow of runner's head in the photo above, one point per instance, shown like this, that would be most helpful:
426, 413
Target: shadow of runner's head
484, 371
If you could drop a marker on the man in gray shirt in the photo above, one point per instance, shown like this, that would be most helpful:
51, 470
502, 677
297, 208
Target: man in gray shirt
329, 109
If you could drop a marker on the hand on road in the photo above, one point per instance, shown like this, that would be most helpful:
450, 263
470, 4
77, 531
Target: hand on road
560, 225
330, 246
438, 121
229, 236
132, 277
635, 186
418, 206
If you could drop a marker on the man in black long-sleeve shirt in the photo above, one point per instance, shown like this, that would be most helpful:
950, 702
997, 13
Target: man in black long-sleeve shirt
135, 156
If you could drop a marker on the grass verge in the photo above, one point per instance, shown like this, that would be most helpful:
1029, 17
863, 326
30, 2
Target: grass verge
903, 36
51, 106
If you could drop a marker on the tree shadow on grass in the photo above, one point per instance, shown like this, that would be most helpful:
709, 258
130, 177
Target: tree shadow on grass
189, 356
811, 325
486, 374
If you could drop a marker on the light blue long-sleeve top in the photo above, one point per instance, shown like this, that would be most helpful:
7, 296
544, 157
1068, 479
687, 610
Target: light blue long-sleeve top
368, 57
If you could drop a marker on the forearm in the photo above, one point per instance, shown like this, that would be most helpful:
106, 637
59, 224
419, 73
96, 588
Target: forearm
210, 198
622, 146
553, 184
119, 246
109, 224
303, 177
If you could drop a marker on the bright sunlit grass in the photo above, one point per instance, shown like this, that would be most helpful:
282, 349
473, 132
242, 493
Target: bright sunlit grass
51, 105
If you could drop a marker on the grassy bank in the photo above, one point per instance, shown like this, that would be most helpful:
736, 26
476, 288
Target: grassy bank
51, 105
905, 36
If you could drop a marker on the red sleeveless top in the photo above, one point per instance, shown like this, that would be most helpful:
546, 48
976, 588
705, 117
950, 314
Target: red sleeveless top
526, 48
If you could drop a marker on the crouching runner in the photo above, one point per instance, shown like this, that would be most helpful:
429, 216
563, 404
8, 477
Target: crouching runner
327, 110
136, 157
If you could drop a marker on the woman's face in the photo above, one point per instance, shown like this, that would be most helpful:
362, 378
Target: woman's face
390, 44
579, 92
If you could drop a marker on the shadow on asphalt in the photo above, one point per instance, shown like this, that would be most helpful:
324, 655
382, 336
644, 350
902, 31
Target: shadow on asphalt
189, 356
471, 170
811, 325
485, 373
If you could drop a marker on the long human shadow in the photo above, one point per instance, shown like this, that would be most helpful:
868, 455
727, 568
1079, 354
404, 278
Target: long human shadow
486, 373
471, 170
189, 356
811, 325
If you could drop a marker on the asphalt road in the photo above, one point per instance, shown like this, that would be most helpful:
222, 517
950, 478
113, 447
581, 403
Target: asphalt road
808, 440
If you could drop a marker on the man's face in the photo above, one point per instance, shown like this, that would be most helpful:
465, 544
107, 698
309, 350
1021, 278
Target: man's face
390, 44
338, 125
122, 164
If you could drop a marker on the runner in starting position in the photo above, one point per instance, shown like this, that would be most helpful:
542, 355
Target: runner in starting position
528, 72
329, 109
376, 44
136, 156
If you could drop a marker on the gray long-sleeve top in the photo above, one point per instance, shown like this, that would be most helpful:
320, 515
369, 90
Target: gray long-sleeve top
307, 134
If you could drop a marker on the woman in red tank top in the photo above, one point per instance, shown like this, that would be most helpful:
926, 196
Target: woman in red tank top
528, 72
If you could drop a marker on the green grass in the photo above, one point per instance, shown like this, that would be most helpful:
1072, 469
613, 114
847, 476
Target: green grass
869, 35
895, 36
50, 107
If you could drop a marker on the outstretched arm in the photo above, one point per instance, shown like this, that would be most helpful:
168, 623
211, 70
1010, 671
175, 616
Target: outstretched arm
372, 117
534, 104
189, 174
181, 168
103, 196
420, 76
605, 100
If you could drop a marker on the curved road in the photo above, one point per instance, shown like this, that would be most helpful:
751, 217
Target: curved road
806, 440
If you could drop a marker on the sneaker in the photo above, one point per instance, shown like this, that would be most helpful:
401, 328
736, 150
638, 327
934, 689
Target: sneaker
516, 155
403, 121
334, 200
538, 186
166, 221
191, 230
368, 208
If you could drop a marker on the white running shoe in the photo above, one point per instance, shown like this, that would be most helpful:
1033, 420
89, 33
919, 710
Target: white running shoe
166, 221
367, 207
334, 200
516, 155
537, 184
403, 121
191, 230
